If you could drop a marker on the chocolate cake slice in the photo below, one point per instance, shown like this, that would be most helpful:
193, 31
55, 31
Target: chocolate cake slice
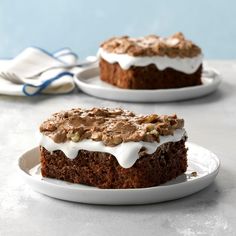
150, 62
112, 148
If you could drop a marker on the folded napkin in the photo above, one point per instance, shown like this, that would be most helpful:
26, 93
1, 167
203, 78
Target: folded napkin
34, 60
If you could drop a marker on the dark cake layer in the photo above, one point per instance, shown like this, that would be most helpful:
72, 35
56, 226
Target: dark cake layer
148, 77
102, 169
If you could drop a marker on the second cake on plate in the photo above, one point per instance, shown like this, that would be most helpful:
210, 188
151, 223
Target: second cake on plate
150, 62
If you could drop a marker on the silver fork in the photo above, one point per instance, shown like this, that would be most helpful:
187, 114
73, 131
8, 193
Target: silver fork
16, 79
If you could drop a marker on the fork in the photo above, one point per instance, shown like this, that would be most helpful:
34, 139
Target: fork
16, 79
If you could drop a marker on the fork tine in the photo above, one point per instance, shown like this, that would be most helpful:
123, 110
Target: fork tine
4, 75
8, 76
11, 77
14, 78
17, 79
1, 75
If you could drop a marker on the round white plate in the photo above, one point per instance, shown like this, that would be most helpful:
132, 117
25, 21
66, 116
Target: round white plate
200, 160
89, 82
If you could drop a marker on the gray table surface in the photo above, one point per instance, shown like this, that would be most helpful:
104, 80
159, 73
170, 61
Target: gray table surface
210, 122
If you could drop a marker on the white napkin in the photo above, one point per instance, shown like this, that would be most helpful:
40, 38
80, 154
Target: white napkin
33, 60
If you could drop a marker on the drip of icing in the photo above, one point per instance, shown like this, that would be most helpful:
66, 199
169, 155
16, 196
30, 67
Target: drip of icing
126, 153
187, 65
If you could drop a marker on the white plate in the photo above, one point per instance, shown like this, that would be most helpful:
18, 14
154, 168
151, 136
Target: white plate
89, 82
201, 160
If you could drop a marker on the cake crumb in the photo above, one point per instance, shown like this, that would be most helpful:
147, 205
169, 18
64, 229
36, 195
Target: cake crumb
194, 174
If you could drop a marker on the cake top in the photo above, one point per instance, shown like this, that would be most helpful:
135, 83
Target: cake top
111, 126
152, 45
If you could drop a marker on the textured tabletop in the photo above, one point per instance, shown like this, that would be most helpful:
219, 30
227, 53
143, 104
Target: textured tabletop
210, 122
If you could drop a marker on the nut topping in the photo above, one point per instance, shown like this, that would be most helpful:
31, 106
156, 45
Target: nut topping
152, 45
111, 126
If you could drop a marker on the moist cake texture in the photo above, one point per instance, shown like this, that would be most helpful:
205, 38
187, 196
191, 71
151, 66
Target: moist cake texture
139, 150
150, 62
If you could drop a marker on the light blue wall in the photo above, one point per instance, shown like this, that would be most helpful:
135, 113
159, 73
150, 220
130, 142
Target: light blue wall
83, 24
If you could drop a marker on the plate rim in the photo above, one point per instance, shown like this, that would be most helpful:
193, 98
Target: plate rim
25, 174
152, 95
217, 80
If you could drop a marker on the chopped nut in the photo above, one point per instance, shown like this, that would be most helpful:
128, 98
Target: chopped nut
69, 134
75, 137
50, 126
162, 125
59, 137
117, 140
154, 132
150, 138
150, 127
96, 136
151, 118
173, 123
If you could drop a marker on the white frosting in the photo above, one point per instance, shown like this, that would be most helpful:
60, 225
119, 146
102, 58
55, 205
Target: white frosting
126, 153
187, 65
